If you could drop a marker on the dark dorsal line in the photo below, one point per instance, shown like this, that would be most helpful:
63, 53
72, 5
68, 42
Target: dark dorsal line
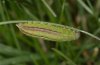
41, 29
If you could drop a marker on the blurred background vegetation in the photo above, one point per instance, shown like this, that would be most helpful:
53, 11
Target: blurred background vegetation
19, 49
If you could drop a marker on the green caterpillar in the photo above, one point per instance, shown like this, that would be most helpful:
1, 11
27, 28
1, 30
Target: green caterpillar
48, 31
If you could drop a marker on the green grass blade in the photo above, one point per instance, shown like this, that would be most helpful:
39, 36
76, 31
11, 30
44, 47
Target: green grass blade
70, 62
85, 6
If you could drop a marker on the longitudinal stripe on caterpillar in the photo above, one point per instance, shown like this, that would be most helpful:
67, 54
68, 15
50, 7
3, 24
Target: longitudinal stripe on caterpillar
40, 29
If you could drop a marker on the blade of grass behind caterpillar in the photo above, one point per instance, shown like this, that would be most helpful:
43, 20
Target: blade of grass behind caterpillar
74, 29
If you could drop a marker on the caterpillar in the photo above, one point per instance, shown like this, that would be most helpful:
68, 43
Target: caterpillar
48, 31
